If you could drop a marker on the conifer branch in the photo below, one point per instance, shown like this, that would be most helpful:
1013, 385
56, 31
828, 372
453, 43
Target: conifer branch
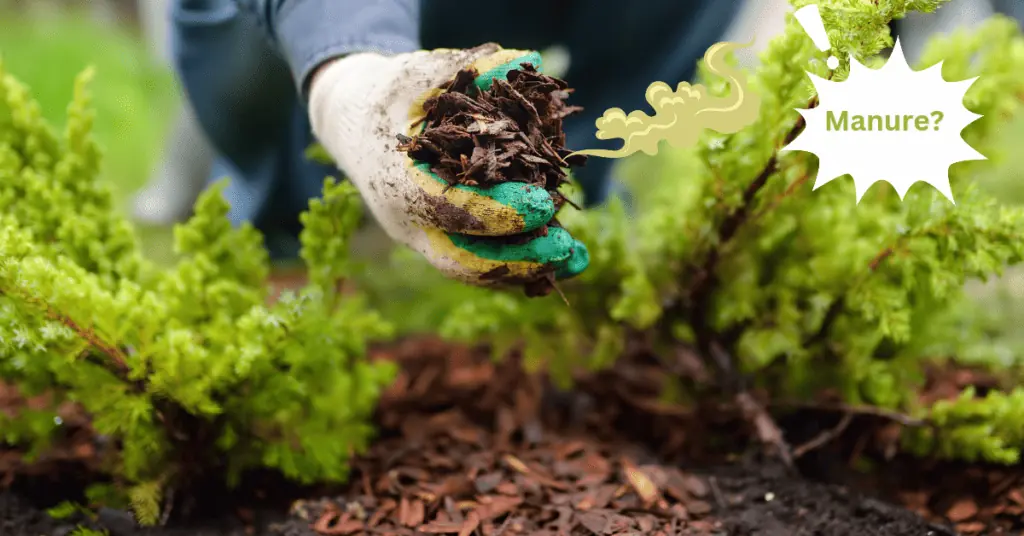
880, 258
824, 437
873, 411
836, 308
705, 278
117, 357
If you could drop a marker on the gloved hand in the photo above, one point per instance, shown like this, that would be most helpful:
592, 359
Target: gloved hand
360, 103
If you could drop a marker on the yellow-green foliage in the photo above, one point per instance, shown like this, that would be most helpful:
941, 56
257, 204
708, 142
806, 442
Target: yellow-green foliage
186, 368
728, 246
82, 531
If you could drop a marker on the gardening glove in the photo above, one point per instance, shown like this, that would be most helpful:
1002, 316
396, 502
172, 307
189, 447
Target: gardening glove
359, 105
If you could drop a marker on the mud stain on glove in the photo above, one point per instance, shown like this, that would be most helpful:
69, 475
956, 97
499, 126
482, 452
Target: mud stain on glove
438, 210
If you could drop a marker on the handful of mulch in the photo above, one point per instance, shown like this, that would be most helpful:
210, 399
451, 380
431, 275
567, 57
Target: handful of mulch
510, 132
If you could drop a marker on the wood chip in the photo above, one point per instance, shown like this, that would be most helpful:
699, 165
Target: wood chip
962, 510
641, 483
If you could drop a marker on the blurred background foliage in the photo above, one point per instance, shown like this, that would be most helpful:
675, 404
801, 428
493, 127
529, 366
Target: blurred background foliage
135, 94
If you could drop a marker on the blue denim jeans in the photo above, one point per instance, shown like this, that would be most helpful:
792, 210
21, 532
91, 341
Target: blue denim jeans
1010, 8
251, 106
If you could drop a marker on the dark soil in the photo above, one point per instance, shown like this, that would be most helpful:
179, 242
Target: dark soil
468, 446
511, 132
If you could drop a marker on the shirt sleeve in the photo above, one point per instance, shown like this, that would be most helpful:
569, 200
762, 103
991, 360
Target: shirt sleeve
309, 32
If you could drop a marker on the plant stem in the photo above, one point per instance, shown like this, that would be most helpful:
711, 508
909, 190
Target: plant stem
117, 357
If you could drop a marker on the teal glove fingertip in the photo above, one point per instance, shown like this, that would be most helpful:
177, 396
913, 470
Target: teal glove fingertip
486, 79
577, 262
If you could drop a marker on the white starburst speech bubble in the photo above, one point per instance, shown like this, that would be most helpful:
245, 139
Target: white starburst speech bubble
892, 124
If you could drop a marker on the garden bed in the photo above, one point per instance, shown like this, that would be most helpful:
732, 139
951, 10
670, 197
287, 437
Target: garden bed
468, 446
191, 377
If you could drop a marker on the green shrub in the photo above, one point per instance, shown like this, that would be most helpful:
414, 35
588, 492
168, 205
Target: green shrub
184, 369
728, 248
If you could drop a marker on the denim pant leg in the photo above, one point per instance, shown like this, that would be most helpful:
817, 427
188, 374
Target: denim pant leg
244, 97
1010, 8
617, 48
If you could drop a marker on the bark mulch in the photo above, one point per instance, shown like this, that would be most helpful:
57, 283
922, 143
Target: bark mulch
473, 447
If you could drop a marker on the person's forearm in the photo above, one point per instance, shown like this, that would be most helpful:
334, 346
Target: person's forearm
309, 33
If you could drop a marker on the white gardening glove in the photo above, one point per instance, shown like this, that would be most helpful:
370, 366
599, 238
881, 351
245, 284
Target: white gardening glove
359, 105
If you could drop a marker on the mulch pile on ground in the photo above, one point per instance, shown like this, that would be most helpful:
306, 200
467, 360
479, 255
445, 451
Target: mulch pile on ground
468, 454
473, 447
509, 132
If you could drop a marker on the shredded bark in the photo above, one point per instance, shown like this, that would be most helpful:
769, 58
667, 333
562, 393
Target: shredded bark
511, 132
